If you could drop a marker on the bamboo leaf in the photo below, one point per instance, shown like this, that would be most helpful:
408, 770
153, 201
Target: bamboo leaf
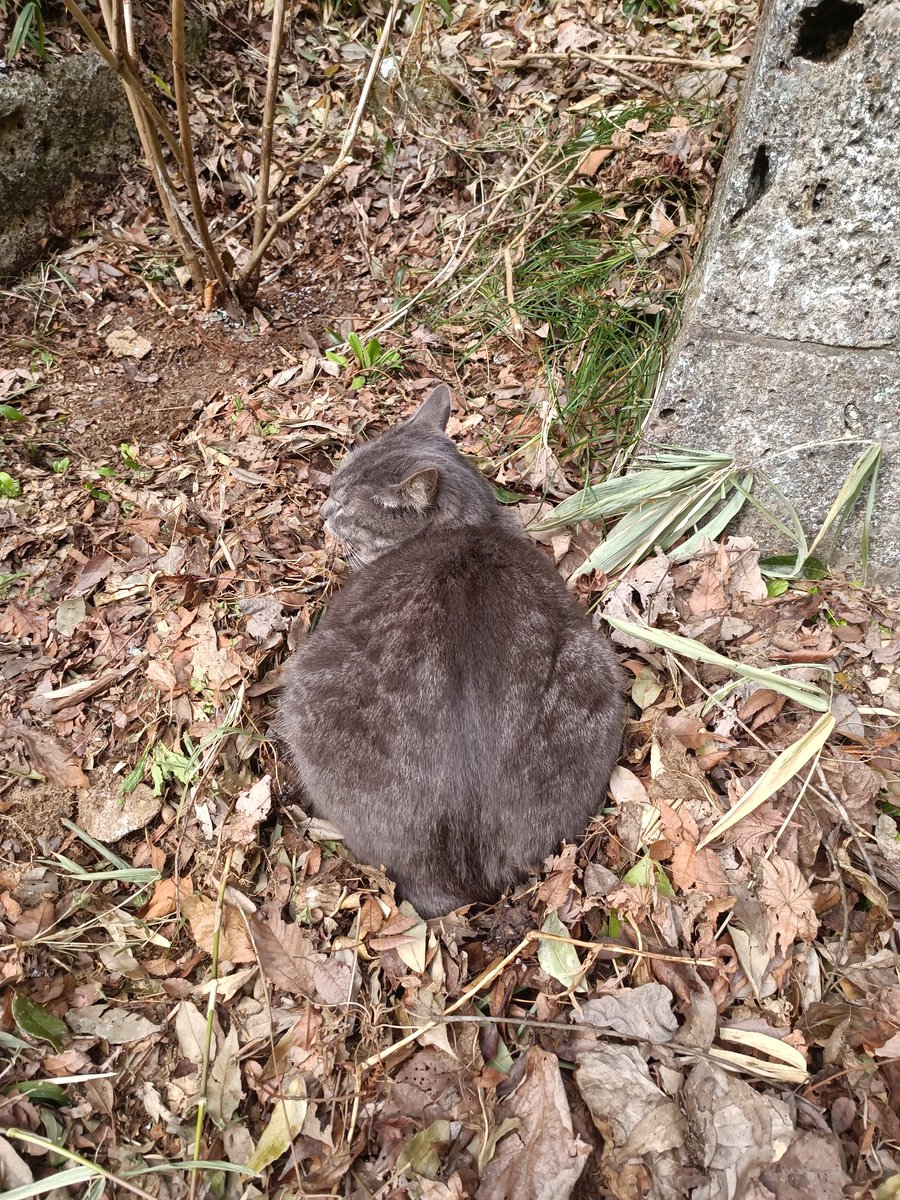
779, 772
804, 693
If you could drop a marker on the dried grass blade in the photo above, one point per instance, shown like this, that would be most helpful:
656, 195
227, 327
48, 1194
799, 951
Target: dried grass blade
746, 1063
766, 1044
779, 772
803, 693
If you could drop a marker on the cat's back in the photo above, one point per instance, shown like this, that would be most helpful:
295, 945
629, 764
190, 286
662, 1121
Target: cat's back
461, 585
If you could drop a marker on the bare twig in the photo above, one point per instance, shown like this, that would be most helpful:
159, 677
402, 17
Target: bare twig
726, 63
189, 166
340, 164
488, 976
117, 63
268, 130
483, 980
147, 118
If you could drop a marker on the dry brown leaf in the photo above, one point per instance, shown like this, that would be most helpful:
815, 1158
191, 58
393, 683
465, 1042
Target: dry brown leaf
641, 1127
250, 810
234, 941
641, 1012
701, 869
166, 895
287, 955
789, 901
49, 756
738, 1131
554, 890
542, 1159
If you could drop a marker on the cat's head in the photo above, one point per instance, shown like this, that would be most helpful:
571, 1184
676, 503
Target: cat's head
408, 480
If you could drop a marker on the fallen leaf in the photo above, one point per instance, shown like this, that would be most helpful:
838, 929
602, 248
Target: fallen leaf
421, 1154
69, 615
738, 1131
288, 1115
190, 1029
642, 1012
224, 1093
250, 810
118, 1026
560, 960
48, 755
640, 1125
234, 941
286, 953
787, 896
541, 1158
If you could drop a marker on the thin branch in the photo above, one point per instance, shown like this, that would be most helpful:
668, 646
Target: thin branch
728, 63
483, 980
125, 72
488, 976
342, 161
120, 29
189, 166
268, 131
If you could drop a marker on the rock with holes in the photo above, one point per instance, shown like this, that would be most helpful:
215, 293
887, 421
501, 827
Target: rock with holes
65, 134
791, 329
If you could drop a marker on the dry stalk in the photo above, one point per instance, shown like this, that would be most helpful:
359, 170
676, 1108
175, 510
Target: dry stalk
189, 166
117, 63
340, 164
147, 118
268, 132
573, 56
460, 256
488, 976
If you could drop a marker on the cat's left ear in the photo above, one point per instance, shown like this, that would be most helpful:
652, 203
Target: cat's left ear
419, 489
434, 411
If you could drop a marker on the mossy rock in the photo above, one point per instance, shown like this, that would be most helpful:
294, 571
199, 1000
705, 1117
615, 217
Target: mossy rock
65, 135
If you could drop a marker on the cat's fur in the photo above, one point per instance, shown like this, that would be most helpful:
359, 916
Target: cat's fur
454, 714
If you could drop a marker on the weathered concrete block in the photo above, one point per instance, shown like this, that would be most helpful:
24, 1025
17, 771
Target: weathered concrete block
65, 134
791, 327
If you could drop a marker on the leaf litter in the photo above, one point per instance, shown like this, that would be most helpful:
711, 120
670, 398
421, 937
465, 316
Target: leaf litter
700, 999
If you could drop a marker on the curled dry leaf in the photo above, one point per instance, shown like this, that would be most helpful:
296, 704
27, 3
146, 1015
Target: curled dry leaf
49, 755
250, 810
541, 1159
736, 1131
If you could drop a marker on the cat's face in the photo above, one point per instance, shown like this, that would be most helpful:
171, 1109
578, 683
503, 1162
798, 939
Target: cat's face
404, 482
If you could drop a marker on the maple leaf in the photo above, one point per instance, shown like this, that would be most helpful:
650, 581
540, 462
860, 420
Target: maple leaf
789, 901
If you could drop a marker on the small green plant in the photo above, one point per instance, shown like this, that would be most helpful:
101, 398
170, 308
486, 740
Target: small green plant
129, 457
60, 465
9, 413
372, 359
28, 30
9, 487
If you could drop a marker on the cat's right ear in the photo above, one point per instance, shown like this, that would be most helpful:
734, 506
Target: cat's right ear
434, 411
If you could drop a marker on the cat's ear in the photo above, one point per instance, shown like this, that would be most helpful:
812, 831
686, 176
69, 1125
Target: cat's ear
419, 489
434, 411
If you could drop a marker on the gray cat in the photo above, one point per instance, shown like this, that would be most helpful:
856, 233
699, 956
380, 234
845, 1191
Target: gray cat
454, 713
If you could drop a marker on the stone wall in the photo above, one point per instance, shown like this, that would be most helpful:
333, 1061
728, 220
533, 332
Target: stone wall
791, 330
